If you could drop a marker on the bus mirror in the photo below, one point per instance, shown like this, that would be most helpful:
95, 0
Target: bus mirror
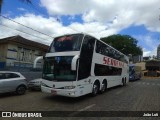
36, 61
74, 62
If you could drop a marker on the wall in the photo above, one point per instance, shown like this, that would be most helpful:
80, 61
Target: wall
3, 52
142, 65
22, 56
11, 54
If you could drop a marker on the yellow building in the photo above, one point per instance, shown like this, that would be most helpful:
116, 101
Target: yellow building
142, 65
17, 51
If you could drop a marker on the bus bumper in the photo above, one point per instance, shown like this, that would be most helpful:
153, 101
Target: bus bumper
60, 92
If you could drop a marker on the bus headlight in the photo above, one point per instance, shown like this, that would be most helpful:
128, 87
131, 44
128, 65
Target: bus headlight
69, 87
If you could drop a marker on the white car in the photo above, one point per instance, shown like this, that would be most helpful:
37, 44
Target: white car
12, 82
35, 84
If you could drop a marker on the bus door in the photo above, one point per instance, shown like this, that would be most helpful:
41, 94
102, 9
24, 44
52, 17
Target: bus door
85, 63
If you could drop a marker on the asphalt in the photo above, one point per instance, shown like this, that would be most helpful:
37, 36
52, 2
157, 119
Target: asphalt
141, 95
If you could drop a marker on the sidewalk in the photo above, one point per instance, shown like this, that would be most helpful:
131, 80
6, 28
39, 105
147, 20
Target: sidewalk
144, 77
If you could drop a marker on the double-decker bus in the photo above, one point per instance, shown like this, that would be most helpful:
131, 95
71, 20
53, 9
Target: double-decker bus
79, 64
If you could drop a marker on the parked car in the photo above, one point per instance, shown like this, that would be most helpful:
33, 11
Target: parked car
35, 84
12, 82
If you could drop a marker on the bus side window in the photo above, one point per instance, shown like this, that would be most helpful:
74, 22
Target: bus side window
101, 48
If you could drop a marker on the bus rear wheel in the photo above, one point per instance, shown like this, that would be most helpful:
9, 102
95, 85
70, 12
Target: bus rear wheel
104, 87
95, 89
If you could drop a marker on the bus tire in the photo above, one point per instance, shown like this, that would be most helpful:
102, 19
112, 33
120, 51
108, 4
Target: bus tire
123, 82
95, 88
104, 86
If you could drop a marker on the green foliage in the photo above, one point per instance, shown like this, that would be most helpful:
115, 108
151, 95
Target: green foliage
124, 43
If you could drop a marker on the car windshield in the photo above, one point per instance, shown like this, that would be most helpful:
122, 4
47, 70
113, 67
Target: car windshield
66, 43
58, 69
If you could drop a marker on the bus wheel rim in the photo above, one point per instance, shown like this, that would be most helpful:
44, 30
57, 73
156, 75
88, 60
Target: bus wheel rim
95, 87
103, 87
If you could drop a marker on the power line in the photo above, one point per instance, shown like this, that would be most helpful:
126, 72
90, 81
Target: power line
33, 6
21, 31
25, 26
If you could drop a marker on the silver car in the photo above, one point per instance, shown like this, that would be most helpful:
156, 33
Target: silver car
12, 82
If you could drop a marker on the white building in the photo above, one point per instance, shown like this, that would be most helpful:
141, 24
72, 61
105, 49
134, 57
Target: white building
17, 51
158, 52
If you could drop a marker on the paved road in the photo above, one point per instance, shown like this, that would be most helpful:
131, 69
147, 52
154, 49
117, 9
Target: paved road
142, 95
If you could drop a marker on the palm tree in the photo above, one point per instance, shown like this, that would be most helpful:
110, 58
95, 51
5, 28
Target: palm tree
1, 3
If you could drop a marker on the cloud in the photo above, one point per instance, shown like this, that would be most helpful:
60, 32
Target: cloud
100, 18
132, 12
22, 9
45, 25
66, 7
147, 53
149, 43
111, 16
49, 26
52, 27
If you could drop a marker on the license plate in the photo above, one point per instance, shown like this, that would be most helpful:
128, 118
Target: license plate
53, 92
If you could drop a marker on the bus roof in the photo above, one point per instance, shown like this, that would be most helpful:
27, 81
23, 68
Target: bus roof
91, 36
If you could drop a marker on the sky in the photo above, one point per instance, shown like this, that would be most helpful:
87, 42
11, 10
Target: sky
100, 18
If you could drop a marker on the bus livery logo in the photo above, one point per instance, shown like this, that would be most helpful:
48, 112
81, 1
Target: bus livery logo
112, 62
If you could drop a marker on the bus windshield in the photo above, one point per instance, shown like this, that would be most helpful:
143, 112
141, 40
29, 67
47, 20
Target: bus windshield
58, 69
66, 43
131, 70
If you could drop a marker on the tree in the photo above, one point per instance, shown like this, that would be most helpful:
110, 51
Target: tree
124, 43
1, 3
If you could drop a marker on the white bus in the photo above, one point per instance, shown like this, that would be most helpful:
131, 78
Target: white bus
79, 64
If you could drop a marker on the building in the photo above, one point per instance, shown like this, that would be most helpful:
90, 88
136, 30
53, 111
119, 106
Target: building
17, 51
153, 68
142, 65
158, 52
138, 58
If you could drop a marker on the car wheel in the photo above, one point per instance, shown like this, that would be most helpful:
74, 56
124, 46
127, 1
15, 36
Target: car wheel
21, 90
